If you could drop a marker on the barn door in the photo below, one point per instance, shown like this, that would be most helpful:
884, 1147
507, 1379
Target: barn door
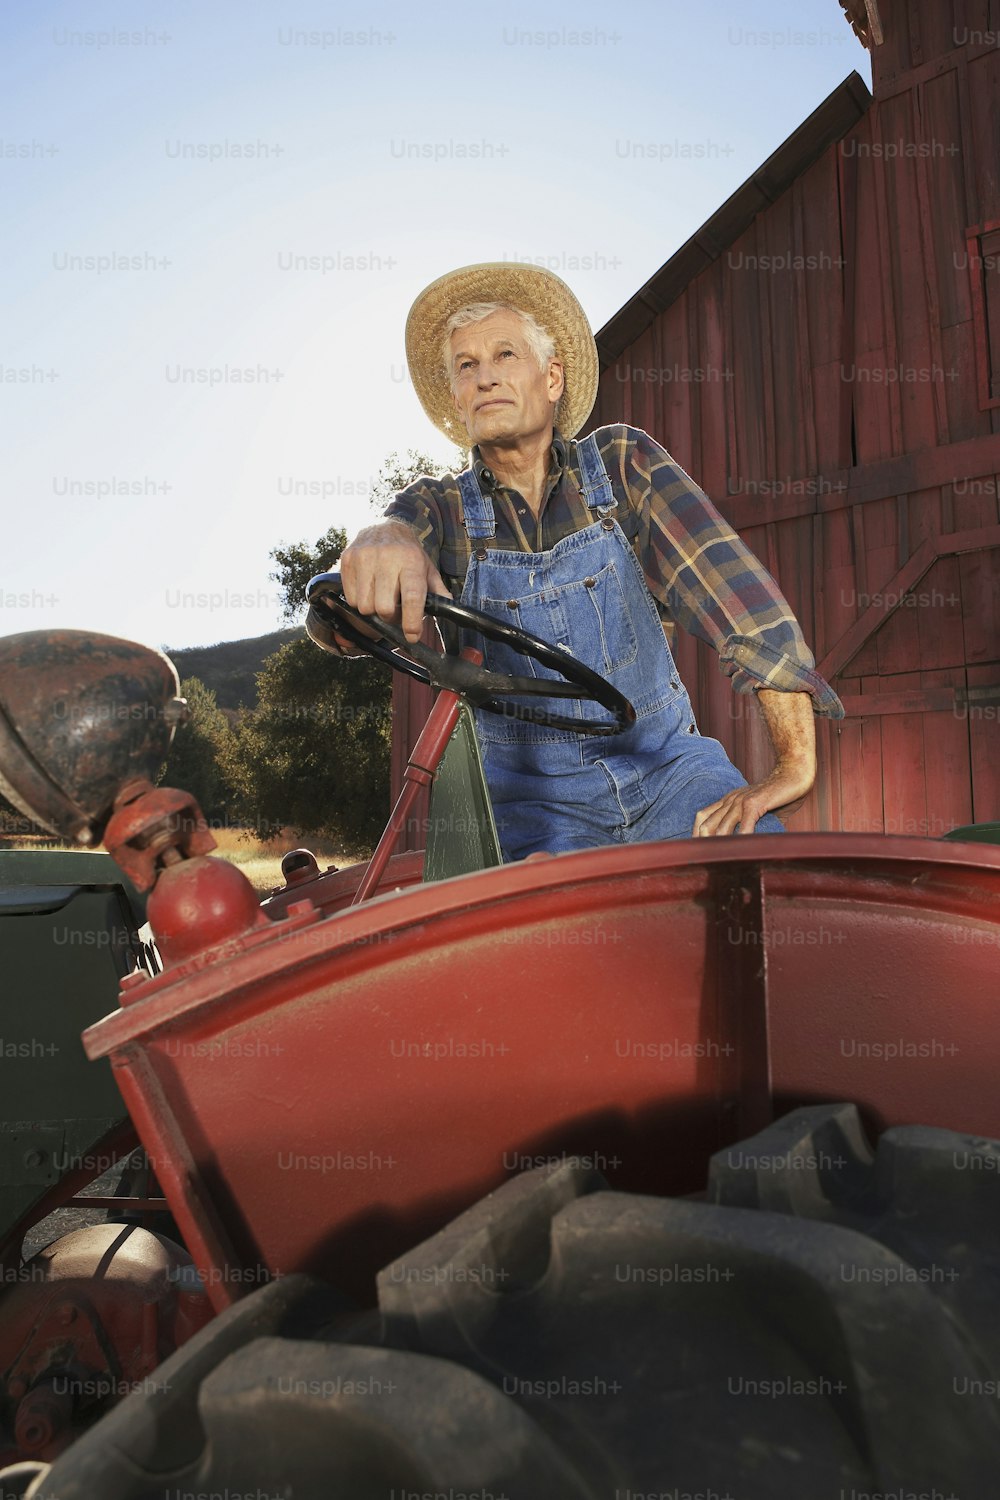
919, 676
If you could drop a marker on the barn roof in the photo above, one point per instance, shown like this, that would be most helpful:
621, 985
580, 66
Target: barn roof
828, 123
865, 21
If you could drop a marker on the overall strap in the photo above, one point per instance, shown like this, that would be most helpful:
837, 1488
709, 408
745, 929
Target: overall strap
477, 509
596, 486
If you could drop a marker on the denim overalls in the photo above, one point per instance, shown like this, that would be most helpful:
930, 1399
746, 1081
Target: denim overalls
554, 789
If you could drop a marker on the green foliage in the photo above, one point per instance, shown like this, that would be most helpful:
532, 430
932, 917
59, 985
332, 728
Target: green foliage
194, 761
397, 472
298, 562
315, 752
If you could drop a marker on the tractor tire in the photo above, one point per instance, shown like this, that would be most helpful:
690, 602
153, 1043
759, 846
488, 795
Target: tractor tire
823, 1324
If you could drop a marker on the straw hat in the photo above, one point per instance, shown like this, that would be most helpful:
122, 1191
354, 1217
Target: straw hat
531, 288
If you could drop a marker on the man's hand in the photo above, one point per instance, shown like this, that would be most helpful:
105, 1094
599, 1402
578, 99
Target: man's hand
789, 718
386, 572
738, 811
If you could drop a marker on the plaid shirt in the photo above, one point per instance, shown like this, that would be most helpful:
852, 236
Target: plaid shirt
699, 572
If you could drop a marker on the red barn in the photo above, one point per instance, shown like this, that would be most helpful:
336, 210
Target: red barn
823, 357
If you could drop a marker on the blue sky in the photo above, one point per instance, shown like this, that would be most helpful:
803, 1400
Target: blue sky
195, 191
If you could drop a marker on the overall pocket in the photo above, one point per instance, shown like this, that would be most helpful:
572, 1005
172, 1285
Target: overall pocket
588, 617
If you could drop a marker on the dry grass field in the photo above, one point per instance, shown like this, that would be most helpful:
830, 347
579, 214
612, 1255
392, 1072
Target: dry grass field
260, 861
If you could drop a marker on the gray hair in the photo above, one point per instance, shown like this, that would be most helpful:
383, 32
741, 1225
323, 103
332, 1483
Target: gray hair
539, 341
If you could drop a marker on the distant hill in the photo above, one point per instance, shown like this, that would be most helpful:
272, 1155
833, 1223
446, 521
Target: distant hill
230, 668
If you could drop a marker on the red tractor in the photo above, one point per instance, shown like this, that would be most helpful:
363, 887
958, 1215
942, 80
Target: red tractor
596, 1176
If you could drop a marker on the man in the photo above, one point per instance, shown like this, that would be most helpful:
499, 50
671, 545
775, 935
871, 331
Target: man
601, 545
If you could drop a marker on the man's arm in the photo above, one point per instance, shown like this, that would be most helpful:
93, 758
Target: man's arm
790, 723
714, 586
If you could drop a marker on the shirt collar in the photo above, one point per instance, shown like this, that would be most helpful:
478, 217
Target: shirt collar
558, 458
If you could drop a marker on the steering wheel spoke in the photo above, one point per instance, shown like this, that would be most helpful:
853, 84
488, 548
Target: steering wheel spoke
331, 615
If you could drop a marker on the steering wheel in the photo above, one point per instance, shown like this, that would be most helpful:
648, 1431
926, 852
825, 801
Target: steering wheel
330, 614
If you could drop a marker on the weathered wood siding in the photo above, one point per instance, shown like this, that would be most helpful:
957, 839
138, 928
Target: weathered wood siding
830, 383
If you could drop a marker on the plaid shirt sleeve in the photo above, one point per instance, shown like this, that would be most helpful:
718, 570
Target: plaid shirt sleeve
417, 507
714, 586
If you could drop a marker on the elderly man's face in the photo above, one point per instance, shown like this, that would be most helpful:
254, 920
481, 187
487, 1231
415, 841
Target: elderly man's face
499, 392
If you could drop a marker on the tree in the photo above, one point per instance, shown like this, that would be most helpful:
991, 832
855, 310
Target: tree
397, 472
315, 752
297, 562
194, 761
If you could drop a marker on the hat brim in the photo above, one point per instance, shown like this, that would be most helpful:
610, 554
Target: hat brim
531, 288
